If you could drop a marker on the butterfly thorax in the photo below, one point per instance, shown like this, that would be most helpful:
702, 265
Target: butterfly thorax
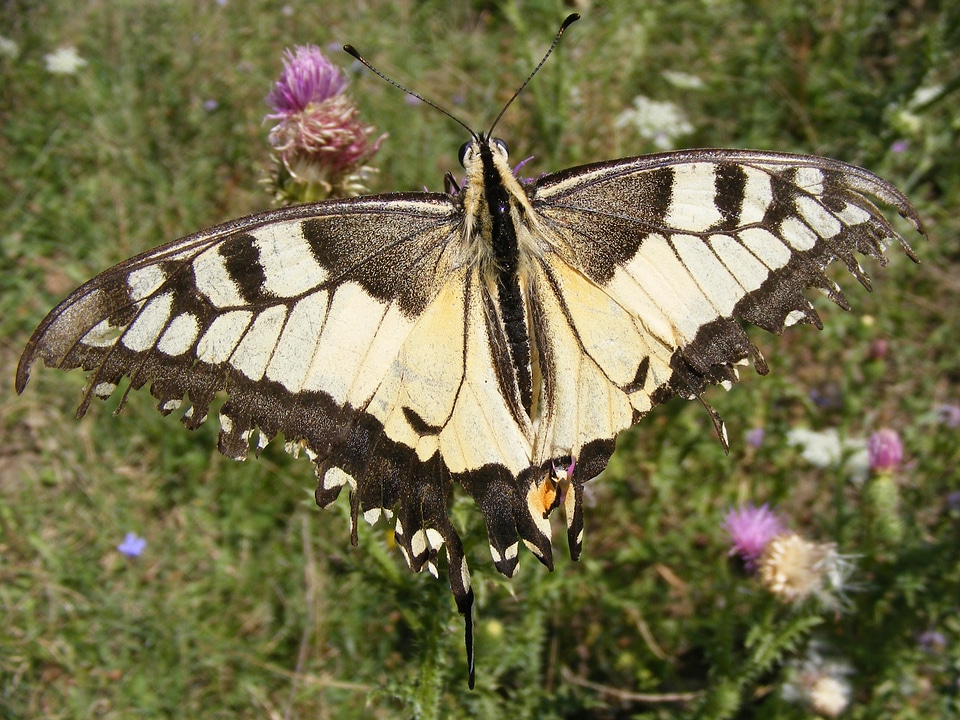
497, 222
495, 207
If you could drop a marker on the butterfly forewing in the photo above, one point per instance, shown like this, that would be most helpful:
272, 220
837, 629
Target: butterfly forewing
695, 240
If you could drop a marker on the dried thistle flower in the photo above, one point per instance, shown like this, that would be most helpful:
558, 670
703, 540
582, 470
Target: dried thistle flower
791, 567
829, 696
819, 683
795, 569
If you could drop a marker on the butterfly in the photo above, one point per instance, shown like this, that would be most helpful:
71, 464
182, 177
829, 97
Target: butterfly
497, 338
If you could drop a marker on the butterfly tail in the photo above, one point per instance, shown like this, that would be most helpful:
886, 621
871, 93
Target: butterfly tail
459, 575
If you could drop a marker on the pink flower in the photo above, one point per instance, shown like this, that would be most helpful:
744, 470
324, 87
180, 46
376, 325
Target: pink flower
751, 529
307, 77
321, 141
885, 450
879, 349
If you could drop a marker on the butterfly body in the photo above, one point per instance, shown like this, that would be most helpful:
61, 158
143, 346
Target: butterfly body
497, 215
497, 339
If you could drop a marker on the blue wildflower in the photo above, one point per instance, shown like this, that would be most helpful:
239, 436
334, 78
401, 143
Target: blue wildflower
755, 437
132, 545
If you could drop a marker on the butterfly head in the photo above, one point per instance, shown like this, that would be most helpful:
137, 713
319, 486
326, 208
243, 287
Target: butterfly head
470, 150
485, 160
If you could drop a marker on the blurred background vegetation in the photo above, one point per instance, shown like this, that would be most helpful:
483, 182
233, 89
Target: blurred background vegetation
249, 602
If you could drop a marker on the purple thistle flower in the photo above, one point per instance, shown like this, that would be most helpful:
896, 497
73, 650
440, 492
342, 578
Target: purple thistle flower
948, 415
879, 349
885, 450
319, 136
755, 437
931, 641
953, 500
307, 77
751, 529
900, 146
132, 546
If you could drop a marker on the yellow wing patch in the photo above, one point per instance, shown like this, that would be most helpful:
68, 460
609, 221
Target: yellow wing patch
441, 394
602, 363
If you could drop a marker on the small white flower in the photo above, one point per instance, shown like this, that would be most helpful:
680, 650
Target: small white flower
682, 80
820, 449
858, 464
64, 61
9, 48
923, 95
818, 683
829, 696
906, 122
825, 449
659, 122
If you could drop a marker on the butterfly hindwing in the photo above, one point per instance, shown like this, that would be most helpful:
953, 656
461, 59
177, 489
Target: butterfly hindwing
444, 394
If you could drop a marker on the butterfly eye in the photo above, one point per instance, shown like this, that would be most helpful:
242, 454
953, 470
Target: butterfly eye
464, 149
502, 146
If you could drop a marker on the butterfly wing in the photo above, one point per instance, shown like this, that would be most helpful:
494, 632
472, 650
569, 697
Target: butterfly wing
232, 307
652, 263
300, 316
358, 329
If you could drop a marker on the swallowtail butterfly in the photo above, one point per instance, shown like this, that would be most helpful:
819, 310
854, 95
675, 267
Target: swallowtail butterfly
496, 339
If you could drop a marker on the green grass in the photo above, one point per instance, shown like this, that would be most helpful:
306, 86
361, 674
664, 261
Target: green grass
249, 601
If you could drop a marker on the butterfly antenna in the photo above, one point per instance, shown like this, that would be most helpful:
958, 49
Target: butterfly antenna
356, 54
571, 19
